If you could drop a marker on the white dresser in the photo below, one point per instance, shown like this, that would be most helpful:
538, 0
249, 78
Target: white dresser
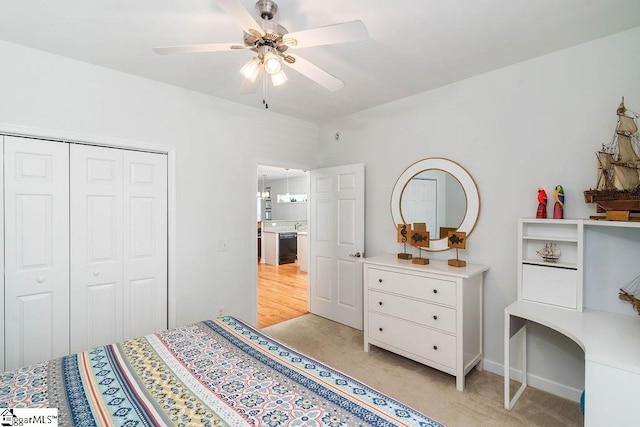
429, 313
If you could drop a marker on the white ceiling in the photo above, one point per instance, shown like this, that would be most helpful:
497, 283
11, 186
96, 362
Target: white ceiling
414, 45
272, 173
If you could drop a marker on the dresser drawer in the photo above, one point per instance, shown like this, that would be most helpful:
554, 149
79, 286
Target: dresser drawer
426, 343
435, 316
422, 287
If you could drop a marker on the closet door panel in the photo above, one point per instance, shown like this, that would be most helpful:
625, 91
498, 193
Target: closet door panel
36, 251
145, 248
143, 317
2, 251
96, 246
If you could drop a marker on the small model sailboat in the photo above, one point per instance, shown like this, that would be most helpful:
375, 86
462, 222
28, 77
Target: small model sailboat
618, 187
630, 292
550, 252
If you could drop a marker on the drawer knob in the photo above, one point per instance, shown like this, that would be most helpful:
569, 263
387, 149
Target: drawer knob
380, 329
435, 291
380, 302
435, 347
435, 317
379, 280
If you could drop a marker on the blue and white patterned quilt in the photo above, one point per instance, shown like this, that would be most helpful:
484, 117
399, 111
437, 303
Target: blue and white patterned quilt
219, 372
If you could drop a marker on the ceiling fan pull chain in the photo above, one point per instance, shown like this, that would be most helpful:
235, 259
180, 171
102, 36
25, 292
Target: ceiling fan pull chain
264, 92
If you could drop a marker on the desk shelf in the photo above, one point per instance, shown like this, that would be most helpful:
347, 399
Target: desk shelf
550, 265
558, 283
551, 238
551, 294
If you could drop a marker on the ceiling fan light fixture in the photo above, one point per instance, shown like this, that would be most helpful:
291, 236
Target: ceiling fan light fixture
251, 69
278, 78
272, 64
289, 41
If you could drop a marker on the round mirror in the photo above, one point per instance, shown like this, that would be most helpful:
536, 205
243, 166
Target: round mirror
440, 193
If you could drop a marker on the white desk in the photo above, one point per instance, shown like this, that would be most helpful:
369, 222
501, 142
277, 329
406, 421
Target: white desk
611, 343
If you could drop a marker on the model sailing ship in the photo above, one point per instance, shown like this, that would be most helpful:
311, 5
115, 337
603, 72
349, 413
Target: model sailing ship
550, 252
630, 292
618, 188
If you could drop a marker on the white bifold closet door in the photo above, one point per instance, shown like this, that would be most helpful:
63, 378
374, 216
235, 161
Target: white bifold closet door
36, 228
118, 245
145, 244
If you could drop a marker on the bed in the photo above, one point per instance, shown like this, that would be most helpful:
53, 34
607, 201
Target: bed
211, 373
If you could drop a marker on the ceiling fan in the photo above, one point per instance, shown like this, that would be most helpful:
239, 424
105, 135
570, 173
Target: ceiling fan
271, 41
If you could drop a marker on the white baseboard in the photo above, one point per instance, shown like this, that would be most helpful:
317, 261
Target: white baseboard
535, 381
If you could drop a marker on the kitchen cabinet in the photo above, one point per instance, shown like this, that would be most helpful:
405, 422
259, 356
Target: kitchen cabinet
270, 246
303, 241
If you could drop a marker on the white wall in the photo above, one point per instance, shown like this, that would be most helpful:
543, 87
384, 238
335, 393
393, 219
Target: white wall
536, 123
288, 211
216, 142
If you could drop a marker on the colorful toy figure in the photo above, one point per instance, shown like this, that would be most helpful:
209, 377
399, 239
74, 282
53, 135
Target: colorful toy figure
542, 203
558, 207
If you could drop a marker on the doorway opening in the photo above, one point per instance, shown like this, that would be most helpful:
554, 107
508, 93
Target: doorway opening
282, 221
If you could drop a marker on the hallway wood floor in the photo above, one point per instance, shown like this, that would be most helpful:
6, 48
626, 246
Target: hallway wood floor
282, 293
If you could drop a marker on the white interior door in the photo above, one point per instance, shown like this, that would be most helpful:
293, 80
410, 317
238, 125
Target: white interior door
420, 203
145, 244
96, 246
36, 251
336, 238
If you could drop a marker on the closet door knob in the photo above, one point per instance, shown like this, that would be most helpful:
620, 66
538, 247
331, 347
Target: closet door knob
380, 329
40, 279
380, 280
435, 291
435, 317
96, 273
380, 302
435, 347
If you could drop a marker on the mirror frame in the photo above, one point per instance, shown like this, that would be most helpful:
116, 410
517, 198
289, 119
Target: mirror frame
466, 181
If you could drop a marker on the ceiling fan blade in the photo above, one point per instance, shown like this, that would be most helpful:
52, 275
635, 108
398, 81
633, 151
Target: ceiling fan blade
197, 48
238, 13
331, 34
316, 74
248, 87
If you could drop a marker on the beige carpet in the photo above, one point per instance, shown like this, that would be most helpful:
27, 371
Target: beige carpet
420, 387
